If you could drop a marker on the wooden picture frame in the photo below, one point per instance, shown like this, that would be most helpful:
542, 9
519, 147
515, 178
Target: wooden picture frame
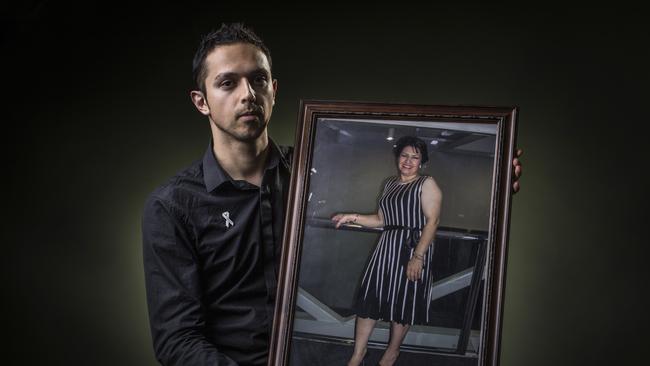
338, 165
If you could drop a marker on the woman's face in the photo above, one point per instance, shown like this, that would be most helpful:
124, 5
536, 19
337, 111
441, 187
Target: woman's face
408, 161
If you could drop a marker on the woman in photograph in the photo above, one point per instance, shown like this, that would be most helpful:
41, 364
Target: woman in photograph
396, 283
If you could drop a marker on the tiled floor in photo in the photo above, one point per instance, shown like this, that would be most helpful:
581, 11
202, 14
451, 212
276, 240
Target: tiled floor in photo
317, 353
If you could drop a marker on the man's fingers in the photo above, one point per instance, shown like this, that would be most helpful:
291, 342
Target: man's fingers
518, 170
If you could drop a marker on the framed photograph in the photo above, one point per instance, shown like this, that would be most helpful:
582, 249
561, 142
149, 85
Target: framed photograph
346, 161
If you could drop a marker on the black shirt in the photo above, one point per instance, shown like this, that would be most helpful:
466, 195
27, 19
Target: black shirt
211, 248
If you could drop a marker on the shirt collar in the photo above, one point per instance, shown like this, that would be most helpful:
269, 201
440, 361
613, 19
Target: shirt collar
214, 175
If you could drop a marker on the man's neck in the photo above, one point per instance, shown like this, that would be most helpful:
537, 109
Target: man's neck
242, 160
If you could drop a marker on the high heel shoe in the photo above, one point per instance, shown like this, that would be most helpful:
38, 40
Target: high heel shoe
363, 360
394, 363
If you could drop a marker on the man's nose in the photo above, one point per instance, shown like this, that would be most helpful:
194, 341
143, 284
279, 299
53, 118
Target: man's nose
248, 93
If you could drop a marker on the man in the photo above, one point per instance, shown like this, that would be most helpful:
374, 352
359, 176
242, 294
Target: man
212, 234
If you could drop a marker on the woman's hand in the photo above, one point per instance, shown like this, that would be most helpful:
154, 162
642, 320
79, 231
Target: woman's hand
414, 269
340, 219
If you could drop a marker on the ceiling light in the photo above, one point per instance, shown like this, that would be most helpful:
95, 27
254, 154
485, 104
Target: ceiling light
391, 134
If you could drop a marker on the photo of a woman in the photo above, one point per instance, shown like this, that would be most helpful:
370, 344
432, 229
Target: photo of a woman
395, 285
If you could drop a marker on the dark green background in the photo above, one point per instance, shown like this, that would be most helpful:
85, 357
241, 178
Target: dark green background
97, 113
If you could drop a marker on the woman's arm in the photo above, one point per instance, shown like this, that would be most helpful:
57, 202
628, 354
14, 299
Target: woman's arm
376, 220
431, 199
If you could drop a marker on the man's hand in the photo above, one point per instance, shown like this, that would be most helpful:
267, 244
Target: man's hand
516, 169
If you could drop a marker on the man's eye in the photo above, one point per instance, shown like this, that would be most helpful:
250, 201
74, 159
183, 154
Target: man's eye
226, 84
261, 79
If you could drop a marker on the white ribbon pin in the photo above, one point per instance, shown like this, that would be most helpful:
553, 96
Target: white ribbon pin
229, 222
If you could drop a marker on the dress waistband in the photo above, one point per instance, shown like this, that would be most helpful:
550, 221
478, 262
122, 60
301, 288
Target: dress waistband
400, 227
413, 234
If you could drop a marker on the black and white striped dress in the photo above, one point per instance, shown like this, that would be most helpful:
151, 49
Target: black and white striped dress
386, 293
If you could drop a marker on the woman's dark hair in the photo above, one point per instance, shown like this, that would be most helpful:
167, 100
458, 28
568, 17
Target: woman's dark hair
226, 35
419, 146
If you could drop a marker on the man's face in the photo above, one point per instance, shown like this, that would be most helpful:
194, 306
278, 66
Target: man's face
239, 92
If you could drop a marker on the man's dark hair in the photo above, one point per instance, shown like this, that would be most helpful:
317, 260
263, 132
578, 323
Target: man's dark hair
227, 34
419, 145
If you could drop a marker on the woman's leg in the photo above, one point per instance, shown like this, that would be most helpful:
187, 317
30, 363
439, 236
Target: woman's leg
362, 329
397, 333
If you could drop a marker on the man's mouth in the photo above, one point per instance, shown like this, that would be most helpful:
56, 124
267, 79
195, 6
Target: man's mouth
251, 110
251, 113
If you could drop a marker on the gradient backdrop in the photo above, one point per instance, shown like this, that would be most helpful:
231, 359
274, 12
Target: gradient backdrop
97, 113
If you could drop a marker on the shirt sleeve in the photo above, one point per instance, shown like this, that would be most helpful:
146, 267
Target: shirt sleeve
172, 279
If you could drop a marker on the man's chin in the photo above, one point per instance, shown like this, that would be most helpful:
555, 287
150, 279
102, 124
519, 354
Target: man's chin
251, 135
249, 132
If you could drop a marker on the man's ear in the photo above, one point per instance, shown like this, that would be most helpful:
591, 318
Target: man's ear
200, 102
275, 89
